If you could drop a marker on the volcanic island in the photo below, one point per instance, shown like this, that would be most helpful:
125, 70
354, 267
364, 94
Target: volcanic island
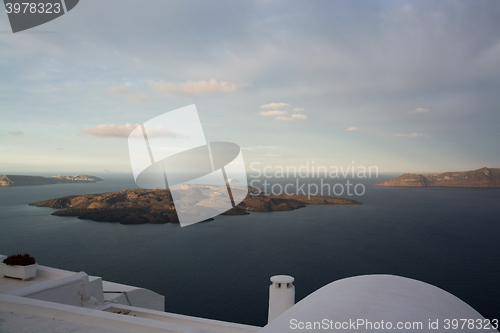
484, 177
19, 180
138, 206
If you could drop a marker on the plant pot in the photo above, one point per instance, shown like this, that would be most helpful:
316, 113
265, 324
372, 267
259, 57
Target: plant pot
19, 272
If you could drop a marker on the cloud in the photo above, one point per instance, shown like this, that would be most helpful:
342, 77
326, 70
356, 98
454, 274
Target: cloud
59, 148
271, 155
272, 113
419, 110
118, 89
138, 98
294, 116
281, 113
16, 133
123, 89
119, 131
411, 135
274, 105
196, 87
352, 129
123, 131
259, 147
161, 132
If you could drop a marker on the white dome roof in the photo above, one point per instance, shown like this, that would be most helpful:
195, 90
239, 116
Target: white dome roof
374, 298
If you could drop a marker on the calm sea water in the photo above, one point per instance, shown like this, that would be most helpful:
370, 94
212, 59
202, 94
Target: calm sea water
448, 237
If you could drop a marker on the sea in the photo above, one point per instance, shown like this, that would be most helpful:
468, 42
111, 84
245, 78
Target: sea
448, 237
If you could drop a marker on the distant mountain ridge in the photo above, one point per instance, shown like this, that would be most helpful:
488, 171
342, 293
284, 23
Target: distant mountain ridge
20, 180
484, 177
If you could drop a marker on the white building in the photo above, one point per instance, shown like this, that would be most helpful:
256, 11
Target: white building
62, 301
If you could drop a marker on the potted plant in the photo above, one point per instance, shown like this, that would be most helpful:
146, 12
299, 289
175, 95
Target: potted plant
20, 266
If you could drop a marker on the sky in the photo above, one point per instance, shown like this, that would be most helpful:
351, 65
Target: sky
407, 86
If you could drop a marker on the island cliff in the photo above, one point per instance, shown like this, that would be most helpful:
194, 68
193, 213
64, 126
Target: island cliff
16, 180
157, 206
484, 177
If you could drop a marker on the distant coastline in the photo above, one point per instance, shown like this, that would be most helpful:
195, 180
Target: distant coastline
483, 178
21, 180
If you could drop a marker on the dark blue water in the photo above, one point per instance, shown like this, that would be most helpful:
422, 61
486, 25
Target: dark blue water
448, 237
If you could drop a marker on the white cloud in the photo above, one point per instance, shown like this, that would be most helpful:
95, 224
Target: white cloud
293, 117
281, 113
196, 87
271, 155
119, 131
123, 131
419, 110
16, 133
272, 113
259, 147
118, 89
352, 129
411, 135
274, 105
161, 132
59, 148
283, 118
123, 89
138, 98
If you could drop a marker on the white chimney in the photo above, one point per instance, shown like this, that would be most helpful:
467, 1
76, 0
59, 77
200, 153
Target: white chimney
281, 295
